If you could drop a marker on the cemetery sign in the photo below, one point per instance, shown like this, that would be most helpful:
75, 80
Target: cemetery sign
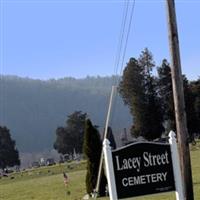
143, 168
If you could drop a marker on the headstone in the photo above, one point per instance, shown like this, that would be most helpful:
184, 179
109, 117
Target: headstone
86, 197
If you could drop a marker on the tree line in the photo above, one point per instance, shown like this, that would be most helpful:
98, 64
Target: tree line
150, 101
150, 97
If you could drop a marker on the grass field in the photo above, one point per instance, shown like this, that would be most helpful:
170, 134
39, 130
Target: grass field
46, 183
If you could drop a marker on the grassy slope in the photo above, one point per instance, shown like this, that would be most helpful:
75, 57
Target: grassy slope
49, 187
47, 183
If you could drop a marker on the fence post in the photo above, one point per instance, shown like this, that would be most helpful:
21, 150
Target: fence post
109, 170
176, 166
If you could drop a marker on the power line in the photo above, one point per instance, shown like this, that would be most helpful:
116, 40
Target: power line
127, 36
119, 53
118, 57
122, 56
121, 37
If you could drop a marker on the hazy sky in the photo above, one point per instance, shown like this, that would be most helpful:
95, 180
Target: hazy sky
51, 39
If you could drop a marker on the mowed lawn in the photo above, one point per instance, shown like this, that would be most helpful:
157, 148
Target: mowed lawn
47, 183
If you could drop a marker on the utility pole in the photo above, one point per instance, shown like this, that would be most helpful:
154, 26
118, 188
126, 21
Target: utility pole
179, 104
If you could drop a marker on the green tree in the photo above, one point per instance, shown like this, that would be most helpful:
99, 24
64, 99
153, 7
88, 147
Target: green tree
192, 118
153, 116
196, 91
9, 155
164, 85
64, 141
138, 90
92, 148
166, 94
132, 91
70, 137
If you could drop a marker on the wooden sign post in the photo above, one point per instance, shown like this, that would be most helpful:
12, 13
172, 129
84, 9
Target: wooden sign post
143, 168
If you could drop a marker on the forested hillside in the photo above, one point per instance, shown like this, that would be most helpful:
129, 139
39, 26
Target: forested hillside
33, 109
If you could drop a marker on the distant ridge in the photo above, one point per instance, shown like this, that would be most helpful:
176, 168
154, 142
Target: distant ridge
32, 109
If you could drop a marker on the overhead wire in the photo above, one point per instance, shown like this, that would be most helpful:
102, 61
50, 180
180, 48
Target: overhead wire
116, 82
121, 55
127, 37
121, 37
119, 52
